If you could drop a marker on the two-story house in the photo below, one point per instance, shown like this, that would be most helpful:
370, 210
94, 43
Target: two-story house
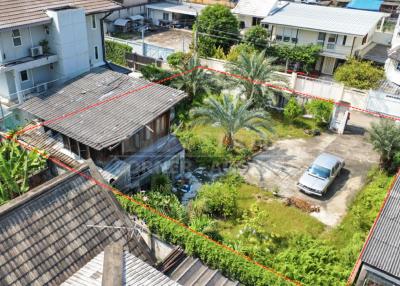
342, 33
45, 42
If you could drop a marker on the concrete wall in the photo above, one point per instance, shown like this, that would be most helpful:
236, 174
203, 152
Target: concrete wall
94, 39
248, 20
30, 37
156, 15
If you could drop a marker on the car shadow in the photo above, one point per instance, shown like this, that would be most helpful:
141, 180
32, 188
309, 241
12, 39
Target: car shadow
336, 187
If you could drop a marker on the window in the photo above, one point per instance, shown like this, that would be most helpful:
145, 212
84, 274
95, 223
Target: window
165, 16
96, 53
256, 21
364, 40
332, 38
93, 21
344, 40
278, 37
398, 66
16, 36
321, 38
24, 75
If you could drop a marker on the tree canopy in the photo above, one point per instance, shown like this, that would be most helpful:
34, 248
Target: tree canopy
257, 37
359, 74
216, 27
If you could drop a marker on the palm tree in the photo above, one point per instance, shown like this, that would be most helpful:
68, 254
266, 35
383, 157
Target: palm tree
255, 70
194, 83
385, 138
232, 114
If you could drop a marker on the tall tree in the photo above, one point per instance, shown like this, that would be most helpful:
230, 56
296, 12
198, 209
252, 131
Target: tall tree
232, 114
16, 165
385, 137
216, 27
256, 74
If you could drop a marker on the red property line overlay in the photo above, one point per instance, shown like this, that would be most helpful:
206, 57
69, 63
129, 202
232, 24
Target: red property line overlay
70, 114
117, 192
358, 262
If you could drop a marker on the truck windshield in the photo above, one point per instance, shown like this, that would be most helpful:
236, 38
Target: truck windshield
319, 171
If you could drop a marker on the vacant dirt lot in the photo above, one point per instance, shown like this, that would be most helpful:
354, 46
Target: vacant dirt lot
282, 165
176, 39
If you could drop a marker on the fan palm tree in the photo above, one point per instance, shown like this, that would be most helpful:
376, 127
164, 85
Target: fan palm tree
232, 114
385, 138
255, 70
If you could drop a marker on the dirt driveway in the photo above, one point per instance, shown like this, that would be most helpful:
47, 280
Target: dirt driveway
282, 165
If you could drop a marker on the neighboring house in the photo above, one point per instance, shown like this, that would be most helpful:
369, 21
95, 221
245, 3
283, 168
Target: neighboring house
124, 126
392, 66
379, 263
341, 32
44, 41
52, 231
173, 13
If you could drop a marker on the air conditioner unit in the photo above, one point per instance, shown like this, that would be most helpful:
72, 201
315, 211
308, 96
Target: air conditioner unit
36, 51
40, 88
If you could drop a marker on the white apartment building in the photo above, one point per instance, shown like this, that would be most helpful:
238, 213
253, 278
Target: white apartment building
43, 42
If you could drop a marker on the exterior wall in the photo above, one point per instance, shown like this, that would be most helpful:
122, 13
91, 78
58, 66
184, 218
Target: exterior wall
94, 39
30, 37
157, 15
392, 73
375, 277
248, 20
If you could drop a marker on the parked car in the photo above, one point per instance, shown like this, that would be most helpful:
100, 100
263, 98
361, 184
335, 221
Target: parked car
320, 175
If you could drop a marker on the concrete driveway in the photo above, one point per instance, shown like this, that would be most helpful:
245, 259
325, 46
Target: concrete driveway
281, 166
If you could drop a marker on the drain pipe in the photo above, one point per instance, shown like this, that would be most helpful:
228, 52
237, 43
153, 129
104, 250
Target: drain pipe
103, 41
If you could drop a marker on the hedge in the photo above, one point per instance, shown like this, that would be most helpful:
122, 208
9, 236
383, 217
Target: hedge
232, 265
115, 52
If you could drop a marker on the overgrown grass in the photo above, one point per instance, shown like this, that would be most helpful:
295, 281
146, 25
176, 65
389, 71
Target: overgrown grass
282, 220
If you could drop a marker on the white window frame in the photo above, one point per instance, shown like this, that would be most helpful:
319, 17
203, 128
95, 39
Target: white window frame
16, 37
27, 75
165, 13
93, 22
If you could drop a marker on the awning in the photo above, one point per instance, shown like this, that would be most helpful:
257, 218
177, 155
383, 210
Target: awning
136, 17
378, 54
121, 22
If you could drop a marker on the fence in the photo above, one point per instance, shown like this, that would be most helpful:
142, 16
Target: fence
144, 49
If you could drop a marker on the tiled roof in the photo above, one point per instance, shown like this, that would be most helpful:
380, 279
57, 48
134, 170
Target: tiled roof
135, 272
329, 19
383, 248
45, 234
139, 102
15, 13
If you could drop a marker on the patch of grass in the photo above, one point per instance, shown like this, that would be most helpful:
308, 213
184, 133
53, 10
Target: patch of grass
123, 36
282, 220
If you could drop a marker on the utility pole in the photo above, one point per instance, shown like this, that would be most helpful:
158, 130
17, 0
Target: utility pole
195, 31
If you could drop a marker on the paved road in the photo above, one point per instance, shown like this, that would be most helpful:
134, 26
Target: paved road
282, 165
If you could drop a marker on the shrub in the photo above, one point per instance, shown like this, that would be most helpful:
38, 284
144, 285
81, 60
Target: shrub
219, 53
161, 183
292, 109
217, 199
178, 59
153, 73
359, 74
321, 110
115, 52
257, 37
236, 50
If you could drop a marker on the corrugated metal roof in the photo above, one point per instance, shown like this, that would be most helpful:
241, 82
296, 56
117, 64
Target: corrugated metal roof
44, 234
181, 8
27, 12
329, 19
369, 5
383, 248
135, 272
254, 8
138, 102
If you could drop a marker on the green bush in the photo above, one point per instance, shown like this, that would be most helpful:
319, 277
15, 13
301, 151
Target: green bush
161, 183
359, 74
292, 109
178, 59
153, 73
115, 52
236, 50
231, 264
219, 53
205, 151
320, 110
216, 199
257, 37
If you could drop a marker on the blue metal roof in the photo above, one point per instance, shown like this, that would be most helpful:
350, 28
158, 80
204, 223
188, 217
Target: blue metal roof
369, 5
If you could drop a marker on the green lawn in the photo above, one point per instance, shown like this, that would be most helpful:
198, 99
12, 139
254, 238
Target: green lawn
282, 220
282, 130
